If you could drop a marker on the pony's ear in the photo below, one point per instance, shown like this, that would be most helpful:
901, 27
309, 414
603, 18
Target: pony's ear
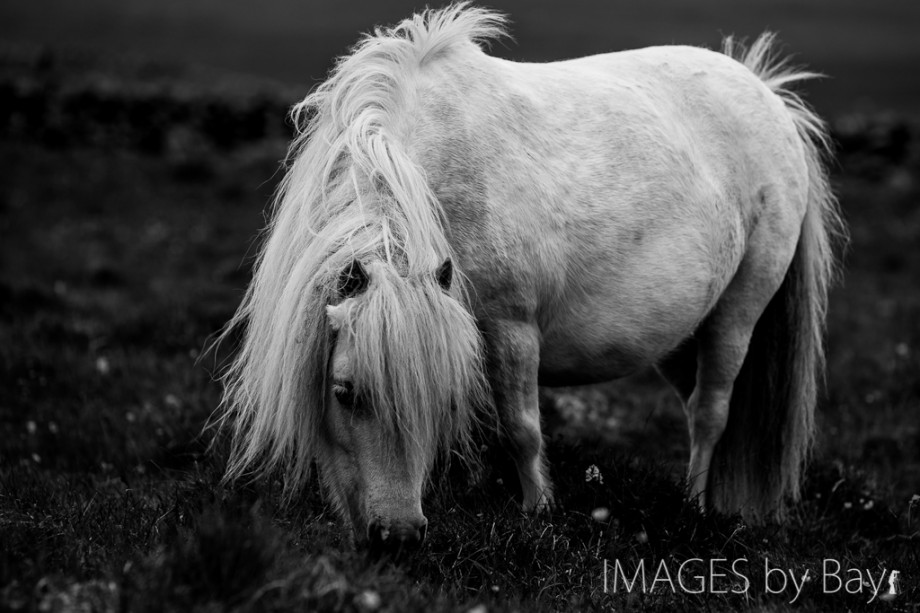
336, 315
445, 275
353, 280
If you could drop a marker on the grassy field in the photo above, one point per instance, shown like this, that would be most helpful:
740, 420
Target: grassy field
125, 245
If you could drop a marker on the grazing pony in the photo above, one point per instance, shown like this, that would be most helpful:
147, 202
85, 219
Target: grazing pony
455, 229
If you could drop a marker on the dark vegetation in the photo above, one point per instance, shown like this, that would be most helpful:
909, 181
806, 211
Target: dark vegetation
129, 204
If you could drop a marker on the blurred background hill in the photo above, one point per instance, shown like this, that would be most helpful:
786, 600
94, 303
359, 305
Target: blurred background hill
870, 50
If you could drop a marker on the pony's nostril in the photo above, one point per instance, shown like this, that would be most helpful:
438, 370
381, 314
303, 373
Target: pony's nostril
409, 539
413, 535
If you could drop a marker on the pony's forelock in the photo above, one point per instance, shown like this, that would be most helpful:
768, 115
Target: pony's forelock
416, 363
352, 191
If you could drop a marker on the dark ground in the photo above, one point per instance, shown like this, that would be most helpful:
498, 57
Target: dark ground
130, 199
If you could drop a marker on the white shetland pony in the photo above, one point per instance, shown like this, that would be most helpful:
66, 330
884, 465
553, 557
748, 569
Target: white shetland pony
456, 229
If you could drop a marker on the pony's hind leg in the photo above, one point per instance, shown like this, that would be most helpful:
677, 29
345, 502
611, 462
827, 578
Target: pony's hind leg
679, 369
513, 365
722, 348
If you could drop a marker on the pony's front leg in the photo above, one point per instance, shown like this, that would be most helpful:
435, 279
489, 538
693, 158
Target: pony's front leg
514, 361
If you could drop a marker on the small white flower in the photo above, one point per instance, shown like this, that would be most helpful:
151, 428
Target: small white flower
368, 600
102, 365
593, 473
600, 514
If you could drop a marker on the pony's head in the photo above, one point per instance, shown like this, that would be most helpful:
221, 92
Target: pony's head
370, 368
359, 351
403, 371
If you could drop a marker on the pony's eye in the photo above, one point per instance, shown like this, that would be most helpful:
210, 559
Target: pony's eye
344, 393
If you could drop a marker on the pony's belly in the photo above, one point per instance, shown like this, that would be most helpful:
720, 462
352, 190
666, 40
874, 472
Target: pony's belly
572, 357
558, 369
597, 345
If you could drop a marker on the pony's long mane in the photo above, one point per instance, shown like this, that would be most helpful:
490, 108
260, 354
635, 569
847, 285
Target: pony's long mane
352, 191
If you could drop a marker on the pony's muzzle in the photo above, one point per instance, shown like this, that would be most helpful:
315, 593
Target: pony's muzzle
396, 536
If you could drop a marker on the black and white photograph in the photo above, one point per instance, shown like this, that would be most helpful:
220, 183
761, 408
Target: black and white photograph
459, 307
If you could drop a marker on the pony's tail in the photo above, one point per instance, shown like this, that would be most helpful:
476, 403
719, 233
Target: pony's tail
759, 462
